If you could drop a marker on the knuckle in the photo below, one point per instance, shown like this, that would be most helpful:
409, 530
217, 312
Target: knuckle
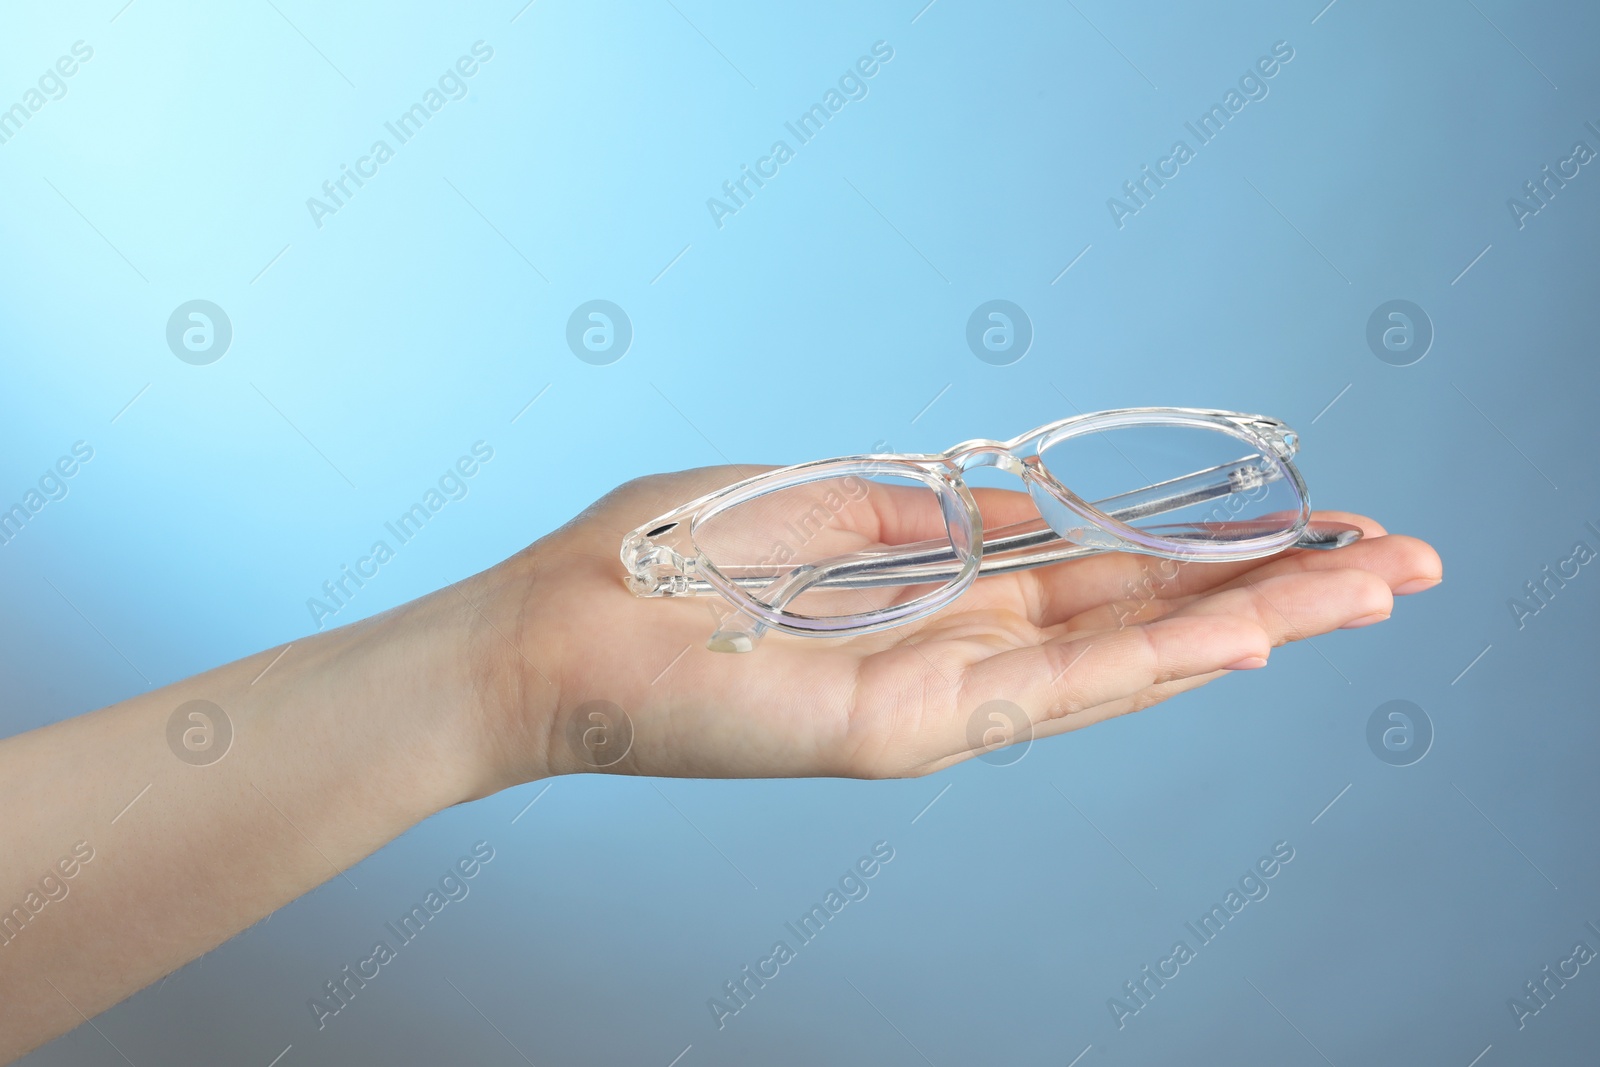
1150, 658
1068, 688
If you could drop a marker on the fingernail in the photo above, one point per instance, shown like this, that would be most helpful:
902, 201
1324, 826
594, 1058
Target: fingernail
1249, 663
1415, 585
1365, 620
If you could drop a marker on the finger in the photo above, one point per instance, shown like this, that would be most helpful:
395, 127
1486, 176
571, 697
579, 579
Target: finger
1199, 577
1289, 607
1370, 527
1064, 591
1147, 697
1292, 607
1285, 608
1404, 564
1059, 677
1003, 507
906, 514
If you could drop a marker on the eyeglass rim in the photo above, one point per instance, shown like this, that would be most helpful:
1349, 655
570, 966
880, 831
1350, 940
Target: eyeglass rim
1272, 436
946, 483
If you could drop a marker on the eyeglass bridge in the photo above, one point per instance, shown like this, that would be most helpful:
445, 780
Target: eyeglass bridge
982, 452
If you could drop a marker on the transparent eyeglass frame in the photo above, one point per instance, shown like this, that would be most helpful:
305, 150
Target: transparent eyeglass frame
663, 559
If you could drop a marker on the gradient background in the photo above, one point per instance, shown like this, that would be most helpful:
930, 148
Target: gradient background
829, 315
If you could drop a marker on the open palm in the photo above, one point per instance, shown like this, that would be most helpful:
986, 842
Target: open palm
626, 684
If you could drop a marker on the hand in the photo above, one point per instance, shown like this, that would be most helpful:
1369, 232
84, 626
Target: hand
1071, 644
344, 739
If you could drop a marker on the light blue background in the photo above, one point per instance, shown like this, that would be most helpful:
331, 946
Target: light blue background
822, 318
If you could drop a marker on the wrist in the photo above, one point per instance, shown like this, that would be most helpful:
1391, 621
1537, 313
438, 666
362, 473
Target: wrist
508, 672
413, 692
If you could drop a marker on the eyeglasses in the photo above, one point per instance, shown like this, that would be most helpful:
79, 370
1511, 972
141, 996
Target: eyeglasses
847, 546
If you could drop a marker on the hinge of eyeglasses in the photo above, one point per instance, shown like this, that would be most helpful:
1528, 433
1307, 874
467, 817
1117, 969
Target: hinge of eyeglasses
1284, 441
656, 570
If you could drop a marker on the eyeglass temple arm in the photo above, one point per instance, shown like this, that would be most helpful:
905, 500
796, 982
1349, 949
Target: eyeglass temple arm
1024, 545
1019, 546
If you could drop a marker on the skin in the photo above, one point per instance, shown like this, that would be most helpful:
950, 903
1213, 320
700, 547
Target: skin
356, 734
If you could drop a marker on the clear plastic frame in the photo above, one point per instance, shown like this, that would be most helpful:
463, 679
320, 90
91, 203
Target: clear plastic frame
846, 546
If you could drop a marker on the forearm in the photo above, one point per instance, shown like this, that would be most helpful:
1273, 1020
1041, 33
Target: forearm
338, 746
